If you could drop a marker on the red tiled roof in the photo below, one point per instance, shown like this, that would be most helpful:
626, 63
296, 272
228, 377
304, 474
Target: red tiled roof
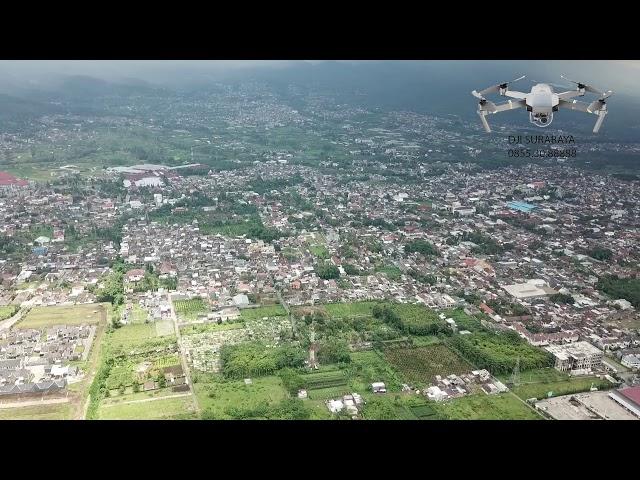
632, 393
8, 179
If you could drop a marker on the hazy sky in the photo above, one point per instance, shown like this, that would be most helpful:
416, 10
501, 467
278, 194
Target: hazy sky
615, 75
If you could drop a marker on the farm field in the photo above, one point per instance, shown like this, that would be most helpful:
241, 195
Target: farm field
216, 396
464, 321
43, 317
161, 409
504, 406
342, 310
421, 365
56, 411
261, 312
191, 308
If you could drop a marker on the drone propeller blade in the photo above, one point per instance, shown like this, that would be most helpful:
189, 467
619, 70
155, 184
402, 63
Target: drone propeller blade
477, 95
589, 88
496, 88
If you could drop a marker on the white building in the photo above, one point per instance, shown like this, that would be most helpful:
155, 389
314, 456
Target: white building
530, 289
631, 361
576, 358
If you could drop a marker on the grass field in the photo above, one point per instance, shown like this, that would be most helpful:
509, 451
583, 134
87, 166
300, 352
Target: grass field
209, 327
164, 328
138, 314
216, 396
485, 407
58, 411
392, 272
464, 321
7, 311
133, 334
342, 310
538, 383
163, 409
421, 365
319, 251
261, 312
42, 317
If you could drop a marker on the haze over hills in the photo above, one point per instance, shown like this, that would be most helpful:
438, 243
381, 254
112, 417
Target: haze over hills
431, 87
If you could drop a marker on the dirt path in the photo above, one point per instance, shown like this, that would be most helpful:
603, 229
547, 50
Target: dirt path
183, 360
147, 400
31, 403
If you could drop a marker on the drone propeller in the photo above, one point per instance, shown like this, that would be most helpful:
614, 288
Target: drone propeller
494, 88
549, 83
588, 88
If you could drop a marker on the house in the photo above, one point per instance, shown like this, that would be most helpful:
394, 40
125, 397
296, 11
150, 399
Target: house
378, 387
134, 275
149, 385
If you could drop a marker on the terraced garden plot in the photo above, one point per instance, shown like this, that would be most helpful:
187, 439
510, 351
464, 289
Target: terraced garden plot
421, 365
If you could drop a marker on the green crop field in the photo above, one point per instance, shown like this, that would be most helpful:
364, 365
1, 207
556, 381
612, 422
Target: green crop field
261, 312
464, 321
7, 311
42, 317
392, 272
424, 363
504, 406
342, 310
190, 309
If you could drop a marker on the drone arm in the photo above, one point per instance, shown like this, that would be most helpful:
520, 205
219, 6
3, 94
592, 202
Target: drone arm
509, 105
574, 105
595, 108
515, 94
570, 94
490, 107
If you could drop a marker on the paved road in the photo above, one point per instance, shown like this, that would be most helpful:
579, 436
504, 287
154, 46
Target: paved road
183, 360
10, 322
148, 399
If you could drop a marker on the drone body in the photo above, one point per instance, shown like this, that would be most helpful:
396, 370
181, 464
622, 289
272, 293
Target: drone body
542, 102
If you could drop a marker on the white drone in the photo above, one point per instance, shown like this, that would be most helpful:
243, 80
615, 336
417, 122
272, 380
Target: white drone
541, 102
